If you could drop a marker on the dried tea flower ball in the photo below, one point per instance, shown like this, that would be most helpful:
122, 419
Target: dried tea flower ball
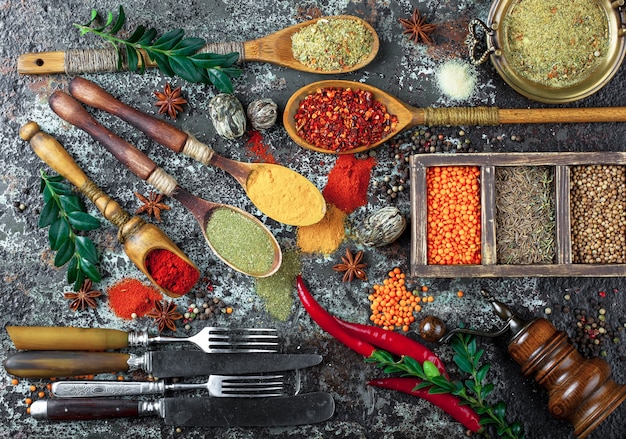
227, 115
262, 113
382, 227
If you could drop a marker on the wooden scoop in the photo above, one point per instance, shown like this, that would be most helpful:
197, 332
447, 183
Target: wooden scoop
138, 237
409, 116
274, 48
304, 206
141, 165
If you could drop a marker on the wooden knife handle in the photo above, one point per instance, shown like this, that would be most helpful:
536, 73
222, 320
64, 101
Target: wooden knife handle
54, 364
77, 409
70, 110
161, 132
66, 338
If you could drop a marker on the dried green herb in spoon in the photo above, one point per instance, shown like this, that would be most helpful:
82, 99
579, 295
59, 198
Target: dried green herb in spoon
173, 54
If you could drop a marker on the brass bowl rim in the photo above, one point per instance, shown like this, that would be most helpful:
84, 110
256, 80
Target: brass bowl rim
543, 93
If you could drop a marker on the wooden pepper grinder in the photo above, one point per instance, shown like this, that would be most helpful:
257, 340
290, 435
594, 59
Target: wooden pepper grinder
580, 390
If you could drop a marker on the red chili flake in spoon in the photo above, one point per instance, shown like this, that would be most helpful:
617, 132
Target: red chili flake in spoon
341, 119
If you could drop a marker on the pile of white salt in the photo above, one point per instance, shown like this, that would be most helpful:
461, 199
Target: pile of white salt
456, 79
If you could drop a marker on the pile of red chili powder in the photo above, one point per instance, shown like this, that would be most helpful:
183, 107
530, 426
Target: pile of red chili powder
129, 298
348, 181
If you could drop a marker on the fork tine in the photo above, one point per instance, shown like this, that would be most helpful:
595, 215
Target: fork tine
242, 339
251, 386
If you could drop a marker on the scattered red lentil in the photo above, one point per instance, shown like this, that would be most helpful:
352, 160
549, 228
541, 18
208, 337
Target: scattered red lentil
342, 119
453, 216
460, 293
348, 181
14, 382
392, 303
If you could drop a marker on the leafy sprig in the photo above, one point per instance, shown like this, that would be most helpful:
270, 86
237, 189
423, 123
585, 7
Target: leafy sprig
472, 391
66, 215
173, 54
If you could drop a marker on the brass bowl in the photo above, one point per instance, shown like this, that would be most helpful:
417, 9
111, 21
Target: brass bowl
498, 36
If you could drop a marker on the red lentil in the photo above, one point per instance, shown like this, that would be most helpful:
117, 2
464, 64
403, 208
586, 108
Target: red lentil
453, 216
340, 119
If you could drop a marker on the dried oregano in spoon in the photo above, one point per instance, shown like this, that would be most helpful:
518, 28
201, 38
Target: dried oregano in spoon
66, 215
173, 54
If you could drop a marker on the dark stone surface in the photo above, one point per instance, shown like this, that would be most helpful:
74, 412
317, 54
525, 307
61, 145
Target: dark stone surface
31, 292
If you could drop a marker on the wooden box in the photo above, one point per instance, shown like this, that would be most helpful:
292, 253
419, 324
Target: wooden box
560, 163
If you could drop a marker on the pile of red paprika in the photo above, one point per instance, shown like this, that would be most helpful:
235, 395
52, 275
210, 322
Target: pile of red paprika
365, 340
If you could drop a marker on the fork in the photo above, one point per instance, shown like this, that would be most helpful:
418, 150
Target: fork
214, 339
241, 386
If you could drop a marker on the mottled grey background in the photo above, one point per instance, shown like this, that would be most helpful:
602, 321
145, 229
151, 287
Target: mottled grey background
31, 289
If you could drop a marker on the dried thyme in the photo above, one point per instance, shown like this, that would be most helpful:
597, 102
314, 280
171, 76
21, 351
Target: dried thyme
335, 44
557, 43
525, 224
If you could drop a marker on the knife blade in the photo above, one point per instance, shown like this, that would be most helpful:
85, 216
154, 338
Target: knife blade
306, 408
161, 364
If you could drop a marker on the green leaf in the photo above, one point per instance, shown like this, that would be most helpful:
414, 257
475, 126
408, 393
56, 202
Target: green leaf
131, 56
168, 40
121, 19
500, 410
162, 62
188, 47
80, 279
72, 269
487, 389
71, 203
147, 37
471, 347
136, 35
185, 68
481, 374
90, 270
463, 363
82, 221
437, 390
59, 231
49, 213
59, 188
430, 370
220, 80
86, 249
65, 253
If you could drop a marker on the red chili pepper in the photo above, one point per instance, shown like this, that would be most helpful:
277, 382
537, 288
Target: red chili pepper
445, 401
393, 342
328, 323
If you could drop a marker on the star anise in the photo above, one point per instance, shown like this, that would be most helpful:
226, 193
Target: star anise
85, 297
170, 101
352, 266
152, 205
417, 28
164, 313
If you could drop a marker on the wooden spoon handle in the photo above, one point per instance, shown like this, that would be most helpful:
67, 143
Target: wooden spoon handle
161, 132
53, 153
70, 110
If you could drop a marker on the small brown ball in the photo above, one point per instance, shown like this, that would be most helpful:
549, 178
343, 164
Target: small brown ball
432, 328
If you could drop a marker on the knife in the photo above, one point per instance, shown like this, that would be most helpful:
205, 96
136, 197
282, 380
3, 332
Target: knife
161, 364
306, 408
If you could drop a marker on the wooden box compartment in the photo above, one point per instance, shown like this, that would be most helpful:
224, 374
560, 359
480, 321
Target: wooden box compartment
559, 162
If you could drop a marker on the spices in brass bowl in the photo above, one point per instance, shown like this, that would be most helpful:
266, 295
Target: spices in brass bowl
553, 52
556, 43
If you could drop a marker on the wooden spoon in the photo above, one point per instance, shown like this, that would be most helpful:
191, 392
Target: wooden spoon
301, 207
274, 48
138, 237
409, 116
141, 165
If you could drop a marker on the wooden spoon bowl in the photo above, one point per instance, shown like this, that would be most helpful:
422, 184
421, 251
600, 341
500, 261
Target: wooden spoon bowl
409, 116
274, 48
138, 237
